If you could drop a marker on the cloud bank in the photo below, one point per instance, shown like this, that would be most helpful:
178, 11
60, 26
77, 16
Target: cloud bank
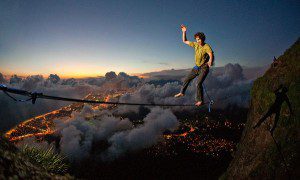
11, 112
78, 134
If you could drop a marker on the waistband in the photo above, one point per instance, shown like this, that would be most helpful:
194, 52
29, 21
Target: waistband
198, 67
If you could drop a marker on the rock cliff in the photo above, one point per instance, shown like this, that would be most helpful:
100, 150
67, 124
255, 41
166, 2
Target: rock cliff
257, 156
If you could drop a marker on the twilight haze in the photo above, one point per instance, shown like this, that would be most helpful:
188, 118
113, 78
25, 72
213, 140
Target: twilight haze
90, 38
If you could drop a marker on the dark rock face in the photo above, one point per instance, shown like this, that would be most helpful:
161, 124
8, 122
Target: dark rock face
257, 156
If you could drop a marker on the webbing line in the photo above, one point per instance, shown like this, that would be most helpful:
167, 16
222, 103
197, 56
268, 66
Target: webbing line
34, 95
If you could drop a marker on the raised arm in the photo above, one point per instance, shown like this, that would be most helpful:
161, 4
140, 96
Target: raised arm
184, 39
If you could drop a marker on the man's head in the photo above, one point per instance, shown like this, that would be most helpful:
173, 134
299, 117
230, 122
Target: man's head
200, 36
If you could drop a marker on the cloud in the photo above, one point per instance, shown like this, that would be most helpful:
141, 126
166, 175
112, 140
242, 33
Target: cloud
123, 75
12, 112
70, 143
110, 75
218, 84
163, 63
15, 79
53, 78
31, 82
144, 136
229, 83
88, 127
70, 82
232, 73
78, 134
149, 93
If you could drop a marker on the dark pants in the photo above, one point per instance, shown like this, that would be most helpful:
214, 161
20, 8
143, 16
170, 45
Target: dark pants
202, 72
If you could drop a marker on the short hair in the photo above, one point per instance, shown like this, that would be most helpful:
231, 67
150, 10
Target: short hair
201, 35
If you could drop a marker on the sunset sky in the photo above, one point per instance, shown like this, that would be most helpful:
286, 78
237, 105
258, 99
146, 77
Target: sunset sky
89, 38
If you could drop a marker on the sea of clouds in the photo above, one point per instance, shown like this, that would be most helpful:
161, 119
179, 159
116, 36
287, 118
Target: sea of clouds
77, 134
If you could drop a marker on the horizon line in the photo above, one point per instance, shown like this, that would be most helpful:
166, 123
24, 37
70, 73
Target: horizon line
102, 75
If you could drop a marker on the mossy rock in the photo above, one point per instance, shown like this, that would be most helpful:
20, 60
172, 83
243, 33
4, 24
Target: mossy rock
257, 155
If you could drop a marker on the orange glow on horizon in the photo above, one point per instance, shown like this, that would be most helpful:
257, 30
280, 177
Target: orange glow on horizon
71, 75
63, 76
70, 72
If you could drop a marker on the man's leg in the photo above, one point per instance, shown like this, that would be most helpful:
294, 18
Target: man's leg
202, 75
261, 120
188, 79
275, 122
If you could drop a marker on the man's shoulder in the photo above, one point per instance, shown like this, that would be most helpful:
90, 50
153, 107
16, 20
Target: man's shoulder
192, 44
207, 45
208, 48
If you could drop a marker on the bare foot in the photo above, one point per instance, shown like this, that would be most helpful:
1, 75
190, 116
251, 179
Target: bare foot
179, 95
199, 103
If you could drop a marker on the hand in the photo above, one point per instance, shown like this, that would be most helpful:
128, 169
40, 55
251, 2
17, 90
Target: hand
209, 63
183, 28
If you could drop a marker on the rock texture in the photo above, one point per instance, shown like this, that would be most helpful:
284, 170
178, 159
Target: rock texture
257, 156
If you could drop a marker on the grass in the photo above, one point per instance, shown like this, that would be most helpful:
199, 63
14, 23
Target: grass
48, 159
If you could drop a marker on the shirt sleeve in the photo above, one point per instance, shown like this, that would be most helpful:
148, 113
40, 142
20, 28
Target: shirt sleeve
192, 44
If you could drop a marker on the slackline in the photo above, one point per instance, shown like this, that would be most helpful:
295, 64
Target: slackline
35, 95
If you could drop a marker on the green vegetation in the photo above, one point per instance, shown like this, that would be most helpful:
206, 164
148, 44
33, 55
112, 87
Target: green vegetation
48, 159
286, 72
16, 165
257, 154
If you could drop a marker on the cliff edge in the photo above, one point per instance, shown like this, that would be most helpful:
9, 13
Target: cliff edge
257, 155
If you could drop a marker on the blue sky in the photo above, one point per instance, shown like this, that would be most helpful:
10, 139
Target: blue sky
89, 38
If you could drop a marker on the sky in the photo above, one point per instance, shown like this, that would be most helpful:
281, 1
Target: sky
89, 38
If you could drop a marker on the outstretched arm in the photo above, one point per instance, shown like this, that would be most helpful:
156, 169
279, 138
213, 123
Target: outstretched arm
184, 39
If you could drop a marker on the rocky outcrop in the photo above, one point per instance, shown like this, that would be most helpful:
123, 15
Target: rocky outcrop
257, 156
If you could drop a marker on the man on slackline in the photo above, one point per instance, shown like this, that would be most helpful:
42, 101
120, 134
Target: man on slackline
203, 59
